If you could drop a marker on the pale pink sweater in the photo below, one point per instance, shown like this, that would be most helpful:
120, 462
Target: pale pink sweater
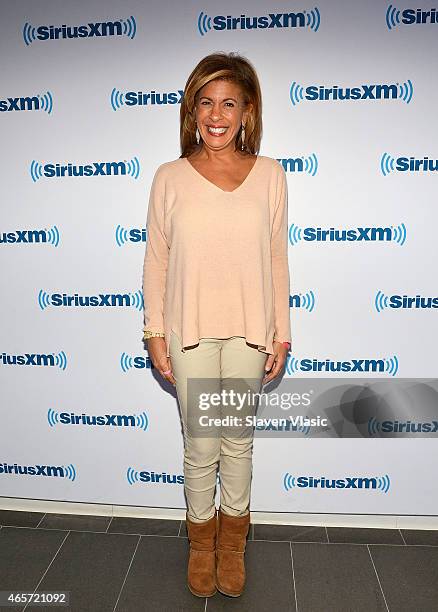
216, 262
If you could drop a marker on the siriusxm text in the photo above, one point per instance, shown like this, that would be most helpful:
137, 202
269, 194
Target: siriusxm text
23, 237
352, 365
140, 98
410, 16
413, 164
417, 301
102, 299
354, 234
20, 104
408, 427
153, 477
272, 20
28, 359
112, 420
360, 92
115, 168
336, 483
33, 470
89, 30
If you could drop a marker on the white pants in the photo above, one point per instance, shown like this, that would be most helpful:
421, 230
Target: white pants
220, 360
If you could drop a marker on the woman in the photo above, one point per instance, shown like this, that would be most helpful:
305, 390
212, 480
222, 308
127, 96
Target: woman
216, 294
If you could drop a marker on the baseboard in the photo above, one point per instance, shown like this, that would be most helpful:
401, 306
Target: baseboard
386, 521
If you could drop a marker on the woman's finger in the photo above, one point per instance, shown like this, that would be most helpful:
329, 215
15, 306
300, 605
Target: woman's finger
166, 372
276, 370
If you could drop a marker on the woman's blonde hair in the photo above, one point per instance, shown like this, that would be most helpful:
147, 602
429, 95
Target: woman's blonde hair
231, 67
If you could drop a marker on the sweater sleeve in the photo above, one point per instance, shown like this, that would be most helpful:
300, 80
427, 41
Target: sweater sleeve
156, 258
279, 257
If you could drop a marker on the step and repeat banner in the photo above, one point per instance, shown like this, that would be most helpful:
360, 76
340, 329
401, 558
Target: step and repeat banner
90, 95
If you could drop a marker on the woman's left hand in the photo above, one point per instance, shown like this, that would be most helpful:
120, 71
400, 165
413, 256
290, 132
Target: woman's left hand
276, 362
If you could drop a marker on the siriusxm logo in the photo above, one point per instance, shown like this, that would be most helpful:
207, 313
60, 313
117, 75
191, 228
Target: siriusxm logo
52, 360
120, 27
320, 93
354, 234
42, 102
114, 168
107, 420
48, 471
376, 427
284, 425
385, 365
409, 16
134, 476
308, 165
140, 98
303, 19
380, 483
101, 300
305, 301
396, 301
44, 236
138, 363
389, 164
135, 234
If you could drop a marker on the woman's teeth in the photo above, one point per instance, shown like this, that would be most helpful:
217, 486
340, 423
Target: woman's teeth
216, 130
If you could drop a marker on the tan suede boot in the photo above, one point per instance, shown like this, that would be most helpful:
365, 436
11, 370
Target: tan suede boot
230, 550
202, 562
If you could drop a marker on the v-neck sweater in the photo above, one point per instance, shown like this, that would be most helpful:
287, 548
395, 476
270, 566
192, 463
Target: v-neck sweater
216, 262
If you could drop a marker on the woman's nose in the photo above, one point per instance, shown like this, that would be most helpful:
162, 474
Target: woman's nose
215, 111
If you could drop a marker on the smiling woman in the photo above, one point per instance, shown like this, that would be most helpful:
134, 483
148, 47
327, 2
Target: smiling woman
221, 114
216, 296
227, 83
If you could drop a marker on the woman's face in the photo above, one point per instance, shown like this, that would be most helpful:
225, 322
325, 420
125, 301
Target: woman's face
219, 114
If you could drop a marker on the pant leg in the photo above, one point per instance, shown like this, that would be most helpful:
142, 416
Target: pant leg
242, 361
201, 454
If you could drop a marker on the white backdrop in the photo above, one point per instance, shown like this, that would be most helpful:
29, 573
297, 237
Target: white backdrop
66, 101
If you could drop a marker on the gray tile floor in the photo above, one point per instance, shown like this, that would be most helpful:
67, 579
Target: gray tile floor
131, 565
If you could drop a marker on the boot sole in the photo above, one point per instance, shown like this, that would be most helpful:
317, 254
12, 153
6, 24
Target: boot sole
201, 594
226, 593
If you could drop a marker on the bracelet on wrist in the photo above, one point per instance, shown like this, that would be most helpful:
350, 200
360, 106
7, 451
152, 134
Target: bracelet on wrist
285, 343
150, 334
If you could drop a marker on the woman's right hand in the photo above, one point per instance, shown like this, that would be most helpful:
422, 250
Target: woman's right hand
158, 354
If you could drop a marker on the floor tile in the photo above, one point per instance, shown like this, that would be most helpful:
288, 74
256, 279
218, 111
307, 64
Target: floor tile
75, 522
25, 554
408, 575
16, 518
92, 566
269, 583
290, 533
141, 564
336, 578
364, 535
144, 526
157, 580
423, 536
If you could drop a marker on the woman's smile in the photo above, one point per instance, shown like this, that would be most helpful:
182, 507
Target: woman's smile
216, 131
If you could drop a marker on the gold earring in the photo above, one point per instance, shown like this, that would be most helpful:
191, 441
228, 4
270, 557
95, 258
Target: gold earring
243, 137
